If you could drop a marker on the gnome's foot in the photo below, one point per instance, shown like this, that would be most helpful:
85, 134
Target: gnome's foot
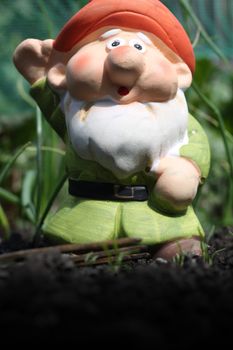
169, 250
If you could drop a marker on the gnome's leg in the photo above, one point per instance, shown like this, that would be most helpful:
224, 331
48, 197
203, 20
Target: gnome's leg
176, 185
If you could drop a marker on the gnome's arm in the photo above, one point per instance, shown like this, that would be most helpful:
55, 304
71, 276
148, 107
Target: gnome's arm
178, 178
49, 103
33, 58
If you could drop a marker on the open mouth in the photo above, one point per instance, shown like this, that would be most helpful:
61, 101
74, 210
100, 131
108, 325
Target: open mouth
123, 91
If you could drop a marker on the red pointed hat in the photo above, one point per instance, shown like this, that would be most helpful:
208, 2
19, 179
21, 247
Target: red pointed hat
144, 15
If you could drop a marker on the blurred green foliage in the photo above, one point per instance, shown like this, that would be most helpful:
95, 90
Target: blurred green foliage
18, 122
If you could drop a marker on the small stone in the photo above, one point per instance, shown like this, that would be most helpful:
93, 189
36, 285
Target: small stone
161, 261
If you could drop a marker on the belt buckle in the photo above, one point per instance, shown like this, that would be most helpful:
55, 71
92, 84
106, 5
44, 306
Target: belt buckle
123, 196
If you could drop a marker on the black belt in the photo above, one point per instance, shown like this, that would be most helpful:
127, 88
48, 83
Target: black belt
107, 191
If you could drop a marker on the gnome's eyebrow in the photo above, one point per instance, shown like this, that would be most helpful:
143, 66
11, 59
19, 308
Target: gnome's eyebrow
110, 33
144, 38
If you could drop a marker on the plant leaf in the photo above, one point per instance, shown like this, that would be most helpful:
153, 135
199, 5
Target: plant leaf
4, 224
11, 161
8, 196
28, 187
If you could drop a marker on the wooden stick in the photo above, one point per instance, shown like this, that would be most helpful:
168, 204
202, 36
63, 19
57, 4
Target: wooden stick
68, 248
109, 253
113, 259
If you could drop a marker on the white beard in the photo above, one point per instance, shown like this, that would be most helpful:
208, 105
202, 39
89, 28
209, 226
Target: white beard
126, 139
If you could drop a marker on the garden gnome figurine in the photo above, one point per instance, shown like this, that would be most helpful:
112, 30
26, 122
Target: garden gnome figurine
112, 85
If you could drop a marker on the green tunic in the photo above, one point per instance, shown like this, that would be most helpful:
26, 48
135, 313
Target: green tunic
82, 220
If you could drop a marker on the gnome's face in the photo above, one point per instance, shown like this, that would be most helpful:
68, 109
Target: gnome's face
125, 66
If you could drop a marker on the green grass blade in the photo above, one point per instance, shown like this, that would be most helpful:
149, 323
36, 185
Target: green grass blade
47, 149
27, 202
4, 224
51, 163
187, 7
12, 160
38, 161
45, 14
8, 196
47, 209
209, 119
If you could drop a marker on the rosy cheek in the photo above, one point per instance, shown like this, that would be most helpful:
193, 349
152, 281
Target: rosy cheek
81, 62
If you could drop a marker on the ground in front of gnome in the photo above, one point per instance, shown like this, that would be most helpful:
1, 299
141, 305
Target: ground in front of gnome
49, 298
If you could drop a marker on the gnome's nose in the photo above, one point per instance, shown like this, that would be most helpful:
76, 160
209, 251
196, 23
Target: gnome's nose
124, 65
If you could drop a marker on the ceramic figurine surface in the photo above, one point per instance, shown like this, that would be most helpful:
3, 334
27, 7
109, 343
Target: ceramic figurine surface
112, 86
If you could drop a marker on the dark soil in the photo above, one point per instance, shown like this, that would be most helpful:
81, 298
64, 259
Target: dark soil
145, 303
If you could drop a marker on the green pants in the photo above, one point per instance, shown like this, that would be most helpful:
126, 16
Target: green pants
82, 220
